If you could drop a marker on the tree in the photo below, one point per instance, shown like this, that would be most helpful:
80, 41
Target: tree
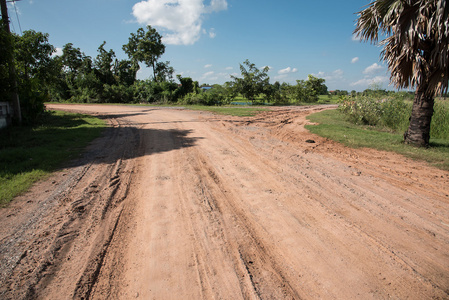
36, 71
416, 50
316, 84
33, 56
186, 86
254, 81
72, 58
77, 75
145, 47
304, 92
104, 63
163, 71
124, 72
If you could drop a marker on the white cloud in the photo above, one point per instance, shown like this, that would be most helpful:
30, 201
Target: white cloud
280, 77
335, 75
356, 38
373, 69
207, 66
208, 74
229, 68
217, 5
354, 60
181, 20
58, 52
338, 73
287, 70
212, 33
367, 81
212, 76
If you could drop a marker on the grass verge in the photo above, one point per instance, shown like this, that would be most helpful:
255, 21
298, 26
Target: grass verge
28, 154
237, 111
332, 125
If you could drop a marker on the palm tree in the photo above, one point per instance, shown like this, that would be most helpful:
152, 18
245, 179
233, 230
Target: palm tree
416, 49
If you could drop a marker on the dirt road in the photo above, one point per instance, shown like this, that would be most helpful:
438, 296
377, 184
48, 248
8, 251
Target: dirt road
176, 204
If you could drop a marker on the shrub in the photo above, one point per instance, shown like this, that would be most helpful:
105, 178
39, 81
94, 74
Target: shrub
204, 98
393, 113
440, 121
362, 111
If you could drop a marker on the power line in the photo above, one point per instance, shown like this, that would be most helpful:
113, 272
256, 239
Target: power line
17, 15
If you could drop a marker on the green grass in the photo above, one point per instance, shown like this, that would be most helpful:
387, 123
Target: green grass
332, 125
238, 111
28, 154
325, 99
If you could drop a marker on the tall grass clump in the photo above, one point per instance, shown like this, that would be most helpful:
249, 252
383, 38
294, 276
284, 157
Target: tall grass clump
393, 114
390, 113
439, 127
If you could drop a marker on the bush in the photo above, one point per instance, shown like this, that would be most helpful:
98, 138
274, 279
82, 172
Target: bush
218, 95
394, 114
440, 121
152, 91
203, 98
32, 99
391, 113
362, 111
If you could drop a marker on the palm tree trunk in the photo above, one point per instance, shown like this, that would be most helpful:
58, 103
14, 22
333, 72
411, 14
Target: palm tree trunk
418, 133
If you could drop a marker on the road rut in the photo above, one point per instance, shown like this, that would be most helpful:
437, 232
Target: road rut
177, 204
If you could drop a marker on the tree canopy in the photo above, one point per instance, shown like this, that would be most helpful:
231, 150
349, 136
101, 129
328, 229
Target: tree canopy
253, 82
146, 47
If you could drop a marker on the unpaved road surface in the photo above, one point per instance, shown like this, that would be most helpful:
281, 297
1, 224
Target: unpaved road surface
176, 204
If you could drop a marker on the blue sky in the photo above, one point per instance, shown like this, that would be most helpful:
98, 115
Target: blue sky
208, 39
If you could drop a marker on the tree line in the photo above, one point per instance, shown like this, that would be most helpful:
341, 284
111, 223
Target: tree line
74, 76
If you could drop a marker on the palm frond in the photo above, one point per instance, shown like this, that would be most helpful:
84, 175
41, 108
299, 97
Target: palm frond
416, 48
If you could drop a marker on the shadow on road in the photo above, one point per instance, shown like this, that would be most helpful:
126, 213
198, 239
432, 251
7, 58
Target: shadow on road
131, 142
44, 150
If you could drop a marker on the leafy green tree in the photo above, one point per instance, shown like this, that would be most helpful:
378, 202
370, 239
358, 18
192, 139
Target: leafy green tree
416, 51
124, 72
304, 92
163, 71
317, 85
76, 74
72, 58
146, 47
104, 63
33, 54
308, 90
186, 86
254, 81
36, 71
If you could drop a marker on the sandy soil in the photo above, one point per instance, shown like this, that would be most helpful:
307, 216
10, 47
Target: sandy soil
175, 204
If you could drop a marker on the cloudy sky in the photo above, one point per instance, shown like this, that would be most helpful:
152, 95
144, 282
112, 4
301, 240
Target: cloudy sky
208, 39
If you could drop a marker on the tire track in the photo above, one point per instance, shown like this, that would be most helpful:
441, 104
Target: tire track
73, 226
203, 207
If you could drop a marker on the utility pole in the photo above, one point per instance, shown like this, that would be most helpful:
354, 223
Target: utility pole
12, 69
